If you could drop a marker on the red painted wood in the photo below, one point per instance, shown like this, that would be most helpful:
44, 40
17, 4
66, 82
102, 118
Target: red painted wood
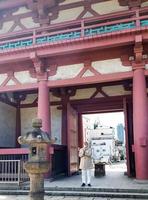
64, 120
72, 138
129, 110
15, 151
71, 82
126, 37
91, 79
43, 106
28, 86
44, 114
111, 39
18, 126
80, 131
126, 136
12, 4
99, 110
140, 119
66, 25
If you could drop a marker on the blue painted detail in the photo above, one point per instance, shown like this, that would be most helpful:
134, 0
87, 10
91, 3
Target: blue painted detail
144, 22
25, 43
55, 38
72, 35
76, 34
17, 44
109, 29
41, 40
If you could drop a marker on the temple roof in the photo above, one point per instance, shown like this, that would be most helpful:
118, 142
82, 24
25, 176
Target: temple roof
6, 4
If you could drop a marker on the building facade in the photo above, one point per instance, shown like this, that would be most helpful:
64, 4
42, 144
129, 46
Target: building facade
60, 59
120, 133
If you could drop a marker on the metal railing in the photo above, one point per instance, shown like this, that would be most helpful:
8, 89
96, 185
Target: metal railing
12, 171
75, 29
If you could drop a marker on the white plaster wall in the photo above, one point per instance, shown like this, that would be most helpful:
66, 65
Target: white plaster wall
7, 125
66, 72
29, 23
87, 14
88, 73
110, 66
53, 98
2, 78
69, 1
29, 98
17, 28
21, 10
144, 4
6, 26
68, 15
24, 77
11, 82
27, 114
116, 90
100, 8
99, 95
108, 7
146, 66
84, 93
103, 67
56, 124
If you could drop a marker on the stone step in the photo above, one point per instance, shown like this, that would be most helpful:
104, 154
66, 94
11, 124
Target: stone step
82, 193
93, 189
98, 194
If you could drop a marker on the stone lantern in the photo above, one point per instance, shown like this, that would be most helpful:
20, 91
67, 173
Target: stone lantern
38, 163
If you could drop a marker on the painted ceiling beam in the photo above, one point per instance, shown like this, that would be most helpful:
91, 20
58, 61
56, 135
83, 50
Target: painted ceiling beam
8, 4
131, 3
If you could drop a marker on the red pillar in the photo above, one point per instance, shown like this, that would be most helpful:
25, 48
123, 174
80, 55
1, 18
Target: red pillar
126, 136
140, 120
64, 121
18, 125
80, 130
44, 114
43, 106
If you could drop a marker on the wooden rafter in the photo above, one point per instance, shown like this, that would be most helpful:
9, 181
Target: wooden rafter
10, 76
98, 90
87, 66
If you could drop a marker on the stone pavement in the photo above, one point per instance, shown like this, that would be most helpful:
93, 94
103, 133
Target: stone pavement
114, 178
13, 197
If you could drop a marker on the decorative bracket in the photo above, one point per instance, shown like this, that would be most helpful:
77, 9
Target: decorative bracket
138, 59
131, 3
38, 64
138, 49
52, 69
64, 93
40, 71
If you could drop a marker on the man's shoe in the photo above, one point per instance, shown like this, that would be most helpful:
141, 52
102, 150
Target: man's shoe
89, 185
83, 184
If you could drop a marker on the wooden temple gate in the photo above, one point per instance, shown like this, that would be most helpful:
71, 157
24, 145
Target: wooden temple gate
62, 70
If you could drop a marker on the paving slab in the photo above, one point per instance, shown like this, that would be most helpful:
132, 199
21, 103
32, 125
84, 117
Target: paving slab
114, 178
24, 197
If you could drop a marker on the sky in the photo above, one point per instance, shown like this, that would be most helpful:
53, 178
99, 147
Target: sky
107, 119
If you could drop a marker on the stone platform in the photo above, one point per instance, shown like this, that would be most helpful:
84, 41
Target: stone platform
114, 185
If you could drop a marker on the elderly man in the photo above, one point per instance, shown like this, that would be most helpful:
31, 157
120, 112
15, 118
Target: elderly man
86, 164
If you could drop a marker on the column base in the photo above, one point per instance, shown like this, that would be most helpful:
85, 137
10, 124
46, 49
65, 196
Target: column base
36, 195
141, 181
